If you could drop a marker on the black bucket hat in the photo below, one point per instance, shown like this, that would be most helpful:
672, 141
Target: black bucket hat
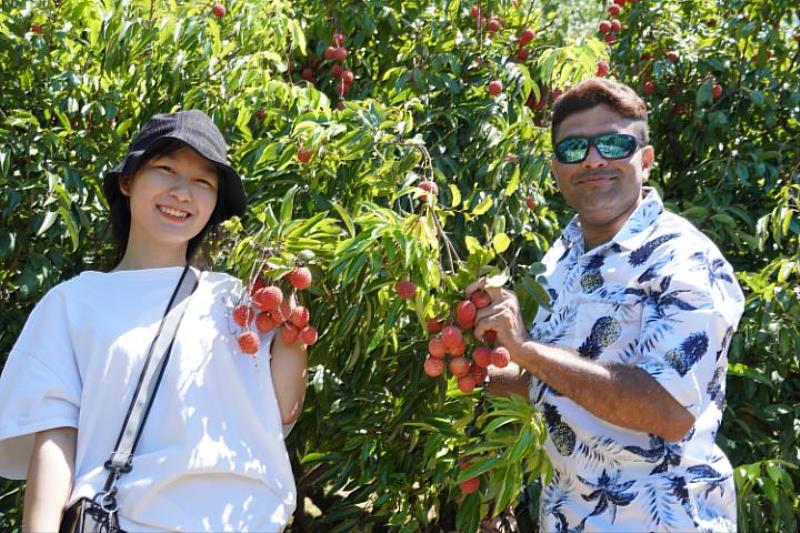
196, 130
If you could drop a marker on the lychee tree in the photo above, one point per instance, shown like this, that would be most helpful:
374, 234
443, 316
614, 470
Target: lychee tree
397, 150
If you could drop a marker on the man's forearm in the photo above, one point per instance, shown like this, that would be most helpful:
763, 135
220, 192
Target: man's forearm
50, 473
507, 381
622, 395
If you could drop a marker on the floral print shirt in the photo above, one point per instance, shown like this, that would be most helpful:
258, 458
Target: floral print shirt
661, 297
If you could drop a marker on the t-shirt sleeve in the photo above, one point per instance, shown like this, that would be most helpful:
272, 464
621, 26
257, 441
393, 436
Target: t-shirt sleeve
687, 324
40, 386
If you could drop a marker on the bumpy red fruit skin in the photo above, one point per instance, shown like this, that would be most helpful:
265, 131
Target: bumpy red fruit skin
530, 202
340, 54
435, 325
218, 10
716, 90
465, 313
428, 186
616, 25
481, 298
466, 383
610, 38
405, 289
522, 54
257, 284
348, 77
526, 36
268, 298
433, 366
436, 347
299, 316
614, 10
649, 87
482, 356
289, 333
452, 338
330, 52
308, 74
500, 357
336, 70
604, 26
264, 322
300, 278
469, 486
475, 11
478, 374
242, 315
602, 69
308, 335
459, 348
490, 336
493, 25
459, 366
248, 342
495, 87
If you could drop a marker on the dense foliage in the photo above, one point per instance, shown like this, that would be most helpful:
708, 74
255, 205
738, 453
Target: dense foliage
379, 443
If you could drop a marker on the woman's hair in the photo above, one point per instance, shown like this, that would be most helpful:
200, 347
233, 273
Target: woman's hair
120, 209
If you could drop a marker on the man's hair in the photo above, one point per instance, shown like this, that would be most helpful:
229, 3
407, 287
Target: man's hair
120, 210
597, 91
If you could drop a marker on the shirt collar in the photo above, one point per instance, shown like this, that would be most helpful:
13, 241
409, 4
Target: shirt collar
633, 231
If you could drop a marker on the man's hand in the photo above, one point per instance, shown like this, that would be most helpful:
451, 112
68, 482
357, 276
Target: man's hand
502, 315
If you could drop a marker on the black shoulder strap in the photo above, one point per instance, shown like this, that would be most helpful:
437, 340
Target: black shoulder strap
156, 362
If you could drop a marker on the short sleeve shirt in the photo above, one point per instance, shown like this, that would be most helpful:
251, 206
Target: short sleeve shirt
661, 297
211, 455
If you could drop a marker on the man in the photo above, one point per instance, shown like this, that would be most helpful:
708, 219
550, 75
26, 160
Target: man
628, 364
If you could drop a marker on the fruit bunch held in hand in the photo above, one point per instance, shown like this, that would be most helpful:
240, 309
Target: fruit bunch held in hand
268, 305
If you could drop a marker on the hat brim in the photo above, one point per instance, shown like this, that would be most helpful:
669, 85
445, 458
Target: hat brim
233, 198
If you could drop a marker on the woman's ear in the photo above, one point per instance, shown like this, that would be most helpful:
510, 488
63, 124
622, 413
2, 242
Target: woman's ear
125, 185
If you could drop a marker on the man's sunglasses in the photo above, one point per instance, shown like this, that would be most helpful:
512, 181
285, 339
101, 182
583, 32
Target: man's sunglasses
609, 145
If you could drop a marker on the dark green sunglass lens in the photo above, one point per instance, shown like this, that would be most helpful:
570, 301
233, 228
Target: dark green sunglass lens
615, 146
572, 150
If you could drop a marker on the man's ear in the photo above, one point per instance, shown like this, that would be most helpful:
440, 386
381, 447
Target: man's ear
648, 159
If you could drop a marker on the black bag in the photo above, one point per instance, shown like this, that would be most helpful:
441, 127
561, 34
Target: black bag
99, 514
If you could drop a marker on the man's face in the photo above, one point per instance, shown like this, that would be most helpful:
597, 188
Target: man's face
602, 191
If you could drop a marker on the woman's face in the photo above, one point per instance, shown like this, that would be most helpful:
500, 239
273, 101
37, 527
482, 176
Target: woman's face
172, 198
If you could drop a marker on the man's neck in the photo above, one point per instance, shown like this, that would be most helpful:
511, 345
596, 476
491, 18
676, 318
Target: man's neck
595, 234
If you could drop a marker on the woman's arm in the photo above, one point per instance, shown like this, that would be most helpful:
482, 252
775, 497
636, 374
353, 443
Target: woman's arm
289, 377
50, 472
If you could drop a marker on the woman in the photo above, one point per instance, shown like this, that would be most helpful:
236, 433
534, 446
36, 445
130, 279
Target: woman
211, 455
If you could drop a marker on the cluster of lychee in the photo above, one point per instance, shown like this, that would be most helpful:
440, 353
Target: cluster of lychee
447, 346
264, 307
610, 28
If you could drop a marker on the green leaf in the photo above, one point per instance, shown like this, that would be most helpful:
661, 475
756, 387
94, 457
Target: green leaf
287, 205
483, 207
500, 242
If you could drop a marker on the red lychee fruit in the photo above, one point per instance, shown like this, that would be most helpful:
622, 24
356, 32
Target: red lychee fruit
610, 38
604, 26
340, 54
308, 335
482, 356
336, 70
451, 337
602, 69
435, 325
248, 342
242, 315
428, 186
649, 87
490, 336
493, 25
459, 349
614, 10
530, 202
436, 347
268, 299
299, 316
433, 366
466, 383
303, 155
522, 54
673, 56
495, 87
526, 36
500, 357
348, 77
330, 52
264, 322
261, 114
465, 314
300, 278
716, 90
338, 39
459, 366
405, 289
308, 74
475, 11
469, 486
289, 333
616, 25
218, 10
478, 374
481, 298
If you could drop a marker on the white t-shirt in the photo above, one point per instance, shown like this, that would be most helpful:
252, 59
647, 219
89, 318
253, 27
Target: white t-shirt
211, 456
